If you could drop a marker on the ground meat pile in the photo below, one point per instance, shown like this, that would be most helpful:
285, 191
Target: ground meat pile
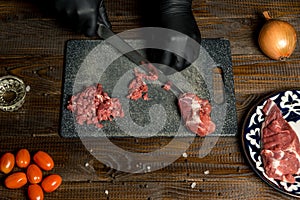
93, 105
281, 146
137, 87
195, 113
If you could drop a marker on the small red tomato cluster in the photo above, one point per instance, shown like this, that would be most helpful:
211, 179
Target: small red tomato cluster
32, 173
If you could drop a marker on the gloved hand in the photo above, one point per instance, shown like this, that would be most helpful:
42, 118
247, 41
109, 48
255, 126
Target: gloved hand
83, 14
177, 15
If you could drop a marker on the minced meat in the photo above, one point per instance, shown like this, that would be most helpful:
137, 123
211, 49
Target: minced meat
93, 105
137, 87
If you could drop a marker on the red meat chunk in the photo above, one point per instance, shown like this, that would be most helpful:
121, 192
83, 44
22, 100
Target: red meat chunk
93, 105
281, 147
196, 114
167, 86
137, 87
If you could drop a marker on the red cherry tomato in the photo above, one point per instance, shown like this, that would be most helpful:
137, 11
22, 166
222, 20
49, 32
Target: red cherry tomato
7, 163
51, 183
34, 174
15, 180
35, 192
23, 158
43, 160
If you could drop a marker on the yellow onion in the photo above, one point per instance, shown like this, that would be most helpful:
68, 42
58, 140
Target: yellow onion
277, 39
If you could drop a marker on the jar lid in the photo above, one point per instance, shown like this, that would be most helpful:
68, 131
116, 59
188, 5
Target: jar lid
12, 93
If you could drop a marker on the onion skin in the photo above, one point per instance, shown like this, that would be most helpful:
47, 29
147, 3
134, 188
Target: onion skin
277, 39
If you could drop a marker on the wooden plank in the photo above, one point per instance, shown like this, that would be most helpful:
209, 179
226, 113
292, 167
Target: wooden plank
227, 189
222, 174
75, 163
241, 26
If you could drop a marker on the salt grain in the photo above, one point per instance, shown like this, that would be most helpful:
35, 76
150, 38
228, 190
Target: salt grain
139, 165
184, 155
27, 88
206, 172
193, 185
86, 164
106, 192
148, 168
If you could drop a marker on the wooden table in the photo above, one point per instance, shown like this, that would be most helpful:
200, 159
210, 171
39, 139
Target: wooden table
32, 45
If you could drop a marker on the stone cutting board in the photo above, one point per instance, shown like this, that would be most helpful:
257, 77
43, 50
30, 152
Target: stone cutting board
88, 62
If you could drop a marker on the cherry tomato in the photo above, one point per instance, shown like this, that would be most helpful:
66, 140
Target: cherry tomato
34, 174
43, 160
23, 158
15, 180
35, 192
51, 183
7, 162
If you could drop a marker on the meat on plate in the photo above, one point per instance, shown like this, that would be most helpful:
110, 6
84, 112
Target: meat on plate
280, 145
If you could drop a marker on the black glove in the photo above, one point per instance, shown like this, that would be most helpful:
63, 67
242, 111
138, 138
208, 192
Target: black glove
83, 14
177, 15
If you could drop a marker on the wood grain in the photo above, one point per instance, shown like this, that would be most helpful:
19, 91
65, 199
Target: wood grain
32, 43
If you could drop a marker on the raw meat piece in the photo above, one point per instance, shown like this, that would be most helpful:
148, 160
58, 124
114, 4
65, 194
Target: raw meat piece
137, 87
93, 106
196, 114
167, 86
281, 147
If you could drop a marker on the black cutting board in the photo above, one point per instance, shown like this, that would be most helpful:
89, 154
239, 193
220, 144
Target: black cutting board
144, 118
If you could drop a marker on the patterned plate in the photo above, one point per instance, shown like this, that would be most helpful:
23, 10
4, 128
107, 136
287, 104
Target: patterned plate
289, 104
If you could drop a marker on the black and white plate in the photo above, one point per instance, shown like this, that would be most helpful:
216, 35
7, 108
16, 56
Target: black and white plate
289, 104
